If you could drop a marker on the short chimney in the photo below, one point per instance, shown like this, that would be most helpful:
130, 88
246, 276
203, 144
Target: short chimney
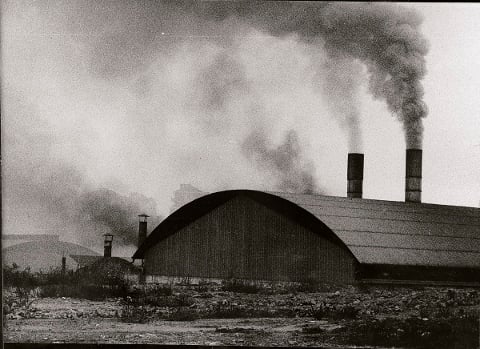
142, 228
413, 176
355, 175
64, 265
107, 245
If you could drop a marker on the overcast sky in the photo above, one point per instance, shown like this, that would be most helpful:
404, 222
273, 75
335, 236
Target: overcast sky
140, 98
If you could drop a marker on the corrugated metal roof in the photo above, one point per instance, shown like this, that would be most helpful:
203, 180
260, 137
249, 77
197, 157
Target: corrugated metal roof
387, 232
375, 231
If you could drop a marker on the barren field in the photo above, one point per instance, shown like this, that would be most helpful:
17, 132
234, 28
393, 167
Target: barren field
210, 315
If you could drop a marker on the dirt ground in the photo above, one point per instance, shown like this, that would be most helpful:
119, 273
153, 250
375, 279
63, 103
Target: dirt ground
66, 320
253, 332
70, 320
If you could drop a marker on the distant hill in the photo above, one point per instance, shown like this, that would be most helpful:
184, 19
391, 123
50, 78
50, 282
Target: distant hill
44, 255
15, 239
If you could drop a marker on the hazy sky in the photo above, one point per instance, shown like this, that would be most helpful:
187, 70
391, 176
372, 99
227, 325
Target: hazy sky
139, 97
452, 136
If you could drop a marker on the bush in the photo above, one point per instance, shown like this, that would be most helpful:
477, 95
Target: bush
164, 290
56, 283
455, 332
307, 286
228, 310
183, 314
14, 277
186, 281
132, 312
342, 312
240, 286
9, 303
203, 286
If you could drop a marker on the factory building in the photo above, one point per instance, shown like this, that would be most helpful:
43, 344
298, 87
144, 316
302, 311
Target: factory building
297, 237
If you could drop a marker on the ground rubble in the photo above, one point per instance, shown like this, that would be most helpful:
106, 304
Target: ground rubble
268, 317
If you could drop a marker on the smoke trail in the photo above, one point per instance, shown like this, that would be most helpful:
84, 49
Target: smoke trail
340, 81
219, 84
385, 37
284, 162
215, 87
54, 195
138, 91
116, 214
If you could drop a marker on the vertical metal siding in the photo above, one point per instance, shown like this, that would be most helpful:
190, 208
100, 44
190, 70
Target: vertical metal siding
244, 239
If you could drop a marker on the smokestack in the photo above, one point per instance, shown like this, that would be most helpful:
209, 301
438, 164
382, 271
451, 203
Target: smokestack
413, 176
107, 245
142, 228
355, 175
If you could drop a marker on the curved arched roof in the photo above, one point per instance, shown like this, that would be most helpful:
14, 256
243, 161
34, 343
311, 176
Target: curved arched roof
399, 233
375, 231
201, 206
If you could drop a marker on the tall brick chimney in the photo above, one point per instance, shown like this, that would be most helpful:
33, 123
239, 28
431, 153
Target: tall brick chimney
413, 176
107, 245
355, 175
142, 228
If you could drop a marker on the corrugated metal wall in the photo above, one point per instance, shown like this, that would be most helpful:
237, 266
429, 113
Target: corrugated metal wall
244, 239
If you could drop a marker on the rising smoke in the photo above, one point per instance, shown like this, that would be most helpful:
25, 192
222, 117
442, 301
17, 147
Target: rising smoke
225, 81
385, 37
43, 193
118, 97
115, 214
283, 162
340, 81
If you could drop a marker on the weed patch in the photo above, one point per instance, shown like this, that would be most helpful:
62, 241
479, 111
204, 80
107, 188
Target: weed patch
240, 286
458, 332
334, 312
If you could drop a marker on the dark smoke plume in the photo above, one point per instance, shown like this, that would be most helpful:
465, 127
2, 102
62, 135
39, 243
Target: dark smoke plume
385, 37
157, 93
49, 195
223, 81
115, 214
284, 162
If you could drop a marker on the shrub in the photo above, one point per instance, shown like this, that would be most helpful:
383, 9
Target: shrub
56, 283
9, 302
307, 286
203, 286
240, 286
455, 332
312, 330
14, 277
183, 314
164, 290
233, 311
133, 312
334, 312
186, 281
